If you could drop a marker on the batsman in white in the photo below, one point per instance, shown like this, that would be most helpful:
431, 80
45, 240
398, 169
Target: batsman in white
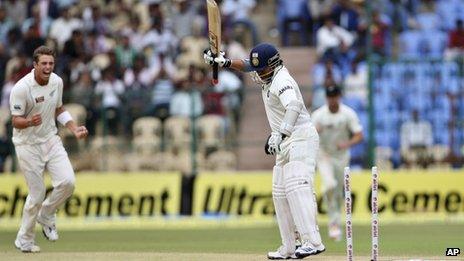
36, 102
339, 129
294, 141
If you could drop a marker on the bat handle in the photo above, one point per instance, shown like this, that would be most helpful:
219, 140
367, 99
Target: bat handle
215, 73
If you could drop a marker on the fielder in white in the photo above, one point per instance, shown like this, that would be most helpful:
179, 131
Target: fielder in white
339, 129
36, 102
294, 141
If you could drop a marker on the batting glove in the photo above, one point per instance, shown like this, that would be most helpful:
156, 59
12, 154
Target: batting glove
221, 60
208, 57
273, 143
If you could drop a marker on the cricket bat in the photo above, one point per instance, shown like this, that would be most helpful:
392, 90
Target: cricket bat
214, 33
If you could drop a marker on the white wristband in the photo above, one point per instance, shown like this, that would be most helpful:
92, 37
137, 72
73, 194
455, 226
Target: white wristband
64, 118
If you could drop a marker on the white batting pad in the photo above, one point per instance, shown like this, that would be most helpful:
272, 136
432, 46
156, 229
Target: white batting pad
283, 213
302, 201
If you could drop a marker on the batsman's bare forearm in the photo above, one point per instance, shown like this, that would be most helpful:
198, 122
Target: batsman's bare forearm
238, 65
20, 122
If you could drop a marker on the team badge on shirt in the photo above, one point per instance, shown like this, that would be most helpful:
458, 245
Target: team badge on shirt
39, 99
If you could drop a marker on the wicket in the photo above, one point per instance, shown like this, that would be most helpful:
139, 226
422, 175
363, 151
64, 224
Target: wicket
349, 234
375, 215
374, 218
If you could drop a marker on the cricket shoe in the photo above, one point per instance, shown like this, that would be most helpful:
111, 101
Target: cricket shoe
29, 247
335, 233
307, 249
281, 254
49, 232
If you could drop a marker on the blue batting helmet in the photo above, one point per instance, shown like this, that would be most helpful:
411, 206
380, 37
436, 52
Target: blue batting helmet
263, 55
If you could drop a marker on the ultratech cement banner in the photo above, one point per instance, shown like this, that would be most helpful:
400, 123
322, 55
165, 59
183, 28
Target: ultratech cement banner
413, 194
240, 193
103, 195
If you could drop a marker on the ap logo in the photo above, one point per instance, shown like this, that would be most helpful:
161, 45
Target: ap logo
452, 251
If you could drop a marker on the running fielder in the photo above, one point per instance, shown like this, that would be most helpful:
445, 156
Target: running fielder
339, 129
294, 141
36, 102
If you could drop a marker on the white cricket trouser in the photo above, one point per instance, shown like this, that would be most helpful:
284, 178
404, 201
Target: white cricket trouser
33, 159
331, 170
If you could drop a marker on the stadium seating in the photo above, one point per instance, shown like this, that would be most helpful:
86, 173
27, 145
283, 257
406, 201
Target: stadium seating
428, 21
106, 154
423, 86
210, 132
146, 143
434, 43
158, 161
449, 11
182, 161
409, 74
383, 157
439, 154
147, 135
221, 160
410, 44
177, 133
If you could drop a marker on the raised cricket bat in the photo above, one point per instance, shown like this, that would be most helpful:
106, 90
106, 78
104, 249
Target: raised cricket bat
214, 33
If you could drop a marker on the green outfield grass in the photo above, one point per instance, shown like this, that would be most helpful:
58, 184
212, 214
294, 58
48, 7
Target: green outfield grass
414, 241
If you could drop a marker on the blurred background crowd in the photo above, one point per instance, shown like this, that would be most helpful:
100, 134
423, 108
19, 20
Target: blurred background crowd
134, 74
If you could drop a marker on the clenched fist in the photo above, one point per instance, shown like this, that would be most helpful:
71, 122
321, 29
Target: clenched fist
81, 132
36, 120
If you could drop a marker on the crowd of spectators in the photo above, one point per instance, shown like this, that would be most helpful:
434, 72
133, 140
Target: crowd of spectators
417, 54
124, 59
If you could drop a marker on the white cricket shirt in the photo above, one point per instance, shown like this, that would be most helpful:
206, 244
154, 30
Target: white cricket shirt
277, 95
336, 127
28, 98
